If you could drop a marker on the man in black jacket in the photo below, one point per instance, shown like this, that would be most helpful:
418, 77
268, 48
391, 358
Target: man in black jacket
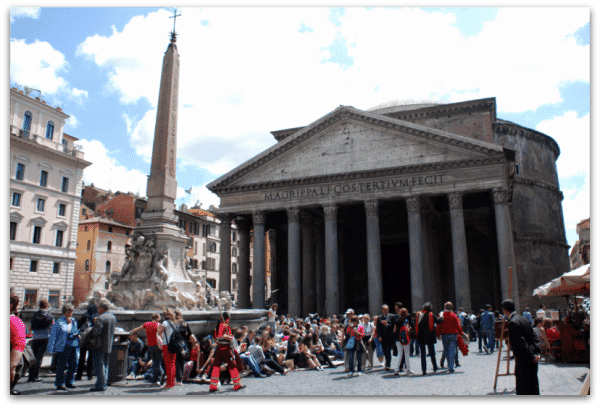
385, 327
41, 324
525, 348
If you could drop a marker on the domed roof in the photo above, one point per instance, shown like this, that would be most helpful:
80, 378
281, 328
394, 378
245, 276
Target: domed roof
404, 105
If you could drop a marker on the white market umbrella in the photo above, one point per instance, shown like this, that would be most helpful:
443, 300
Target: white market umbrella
576, 282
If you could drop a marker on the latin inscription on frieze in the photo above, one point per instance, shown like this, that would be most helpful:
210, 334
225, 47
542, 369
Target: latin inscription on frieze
356, 187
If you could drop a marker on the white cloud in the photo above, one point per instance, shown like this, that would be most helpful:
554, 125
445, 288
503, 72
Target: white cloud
573, 137
79, 95
576, 207
72, 122
105, 172
28, 12
200, 195
37, 65
248, 71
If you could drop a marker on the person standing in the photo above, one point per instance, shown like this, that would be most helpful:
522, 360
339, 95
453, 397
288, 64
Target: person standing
402, 335
18, 340
223, 354
41, 324
354, 345
164, 332
85, 321
64, 341
370, 350
154, 352
425, 328
272, 316
104, 327
526, 350
384, 331
185, 332
487, 323
448, 329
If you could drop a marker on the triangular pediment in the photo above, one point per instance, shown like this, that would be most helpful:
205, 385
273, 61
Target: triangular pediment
349, 140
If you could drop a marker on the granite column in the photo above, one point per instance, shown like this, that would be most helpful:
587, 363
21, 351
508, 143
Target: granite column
294, 273
415, 240
332, 300
375, 286
459, 252
225, 253
258, 268
308, 265
244, 264
506, 251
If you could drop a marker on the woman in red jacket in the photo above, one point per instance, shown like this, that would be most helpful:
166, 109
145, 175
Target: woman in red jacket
449, 329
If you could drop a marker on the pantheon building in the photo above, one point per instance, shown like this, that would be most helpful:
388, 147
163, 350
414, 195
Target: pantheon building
402, 202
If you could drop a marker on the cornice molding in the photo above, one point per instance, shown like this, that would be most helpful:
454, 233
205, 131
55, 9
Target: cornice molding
516, 130
347, 113
366, 174
531, 182
448, 109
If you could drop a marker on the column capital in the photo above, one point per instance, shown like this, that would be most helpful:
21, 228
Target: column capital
455, 200
293, 214
258, 217
225, 218
330, 212
500, 195
413, 204
372, 207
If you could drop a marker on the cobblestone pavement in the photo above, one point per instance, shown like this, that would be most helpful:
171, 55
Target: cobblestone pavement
475, 376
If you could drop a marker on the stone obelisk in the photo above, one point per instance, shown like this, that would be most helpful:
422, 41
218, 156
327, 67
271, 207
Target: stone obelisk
159, 220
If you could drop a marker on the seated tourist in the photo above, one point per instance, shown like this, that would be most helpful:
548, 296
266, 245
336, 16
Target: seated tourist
257, 352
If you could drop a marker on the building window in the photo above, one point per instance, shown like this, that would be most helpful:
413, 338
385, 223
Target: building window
11, 263
212, 282
53, 298
30, 299
62, 209
87, 264
56, 267
109, 229
195, 247
233, 284
83, 211
27, 119
212, 247
196, 228
16, 199
33, 266
13, 230
59, 238
89, 244
49, 130
20, 173
40, 204
233, 236
65, 185
44, 178
211, 264
37, 234
233, 268
107, 266
234, 252
85, 228
109, 246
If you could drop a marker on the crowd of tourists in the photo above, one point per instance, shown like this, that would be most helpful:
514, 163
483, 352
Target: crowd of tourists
358, 342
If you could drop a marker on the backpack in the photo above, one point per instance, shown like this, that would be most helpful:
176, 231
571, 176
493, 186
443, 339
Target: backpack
88, 340
404, 340
41, 321
176, 343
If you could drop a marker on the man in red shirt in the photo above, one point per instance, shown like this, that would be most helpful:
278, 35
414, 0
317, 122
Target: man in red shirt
449, 329
154, 352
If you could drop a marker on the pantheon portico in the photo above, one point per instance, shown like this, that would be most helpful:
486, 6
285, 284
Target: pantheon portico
412, 203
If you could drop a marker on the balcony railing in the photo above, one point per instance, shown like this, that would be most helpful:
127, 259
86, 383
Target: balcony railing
73, 150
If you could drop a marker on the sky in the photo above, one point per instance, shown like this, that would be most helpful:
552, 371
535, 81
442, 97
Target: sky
247, 71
